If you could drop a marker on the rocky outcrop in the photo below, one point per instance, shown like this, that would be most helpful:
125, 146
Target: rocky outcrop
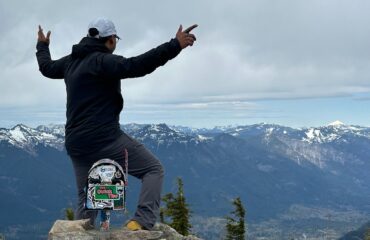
81, 230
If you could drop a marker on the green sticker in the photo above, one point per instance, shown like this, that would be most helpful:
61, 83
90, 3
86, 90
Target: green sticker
118, 204
106, 192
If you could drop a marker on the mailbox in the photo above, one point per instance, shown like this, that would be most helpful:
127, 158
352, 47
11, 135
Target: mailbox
106, 186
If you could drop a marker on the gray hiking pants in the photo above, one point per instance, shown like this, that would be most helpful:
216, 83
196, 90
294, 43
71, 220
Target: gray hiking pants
142, 164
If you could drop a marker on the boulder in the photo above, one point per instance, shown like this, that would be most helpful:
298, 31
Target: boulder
82, 230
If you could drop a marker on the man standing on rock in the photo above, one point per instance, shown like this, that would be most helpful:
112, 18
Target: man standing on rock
92, 75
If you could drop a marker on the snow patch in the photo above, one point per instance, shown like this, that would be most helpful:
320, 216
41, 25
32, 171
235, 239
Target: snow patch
203, 138
17, 135
269, 130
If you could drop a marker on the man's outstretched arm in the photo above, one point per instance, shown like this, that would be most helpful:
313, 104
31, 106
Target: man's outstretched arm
119, 67
48, 67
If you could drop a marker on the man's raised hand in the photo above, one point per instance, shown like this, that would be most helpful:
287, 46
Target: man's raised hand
41, 36
185, 37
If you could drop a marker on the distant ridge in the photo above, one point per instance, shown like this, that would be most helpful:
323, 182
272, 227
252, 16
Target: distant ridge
283, 173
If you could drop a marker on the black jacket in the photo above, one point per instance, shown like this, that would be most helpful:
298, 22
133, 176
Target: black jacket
92, 76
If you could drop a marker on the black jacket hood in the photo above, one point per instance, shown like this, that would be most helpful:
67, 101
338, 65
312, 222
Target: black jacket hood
88, 45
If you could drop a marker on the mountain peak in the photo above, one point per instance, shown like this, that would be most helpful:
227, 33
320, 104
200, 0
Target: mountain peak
336, 123
20, 126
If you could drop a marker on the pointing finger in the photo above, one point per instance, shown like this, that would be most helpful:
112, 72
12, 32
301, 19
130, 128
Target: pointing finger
48, 35
191, 28
180, 28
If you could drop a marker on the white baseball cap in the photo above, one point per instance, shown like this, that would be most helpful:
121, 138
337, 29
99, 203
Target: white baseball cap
104, 26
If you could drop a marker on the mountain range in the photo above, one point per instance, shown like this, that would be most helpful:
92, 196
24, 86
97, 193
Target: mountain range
290, 178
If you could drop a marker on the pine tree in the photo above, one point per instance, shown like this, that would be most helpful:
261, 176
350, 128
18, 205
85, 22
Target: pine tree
367, 237
69, 214
167, 211
235, 226
177, 209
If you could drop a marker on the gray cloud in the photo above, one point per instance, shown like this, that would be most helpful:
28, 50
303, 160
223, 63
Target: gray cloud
246, 50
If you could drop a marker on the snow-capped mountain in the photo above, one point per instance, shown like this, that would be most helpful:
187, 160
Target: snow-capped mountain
27, 138
329, 148
163, 134
336, 131
299, 142
270, 166
52, 135
325, 134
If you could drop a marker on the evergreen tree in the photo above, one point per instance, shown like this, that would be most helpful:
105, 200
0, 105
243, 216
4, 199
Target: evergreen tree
367, 236
235, 226
167, 211
69, 214
177, 209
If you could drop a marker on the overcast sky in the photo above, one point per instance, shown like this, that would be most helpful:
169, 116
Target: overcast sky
295, 63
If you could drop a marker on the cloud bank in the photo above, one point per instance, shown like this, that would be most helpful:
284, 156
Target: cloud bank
247, 51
